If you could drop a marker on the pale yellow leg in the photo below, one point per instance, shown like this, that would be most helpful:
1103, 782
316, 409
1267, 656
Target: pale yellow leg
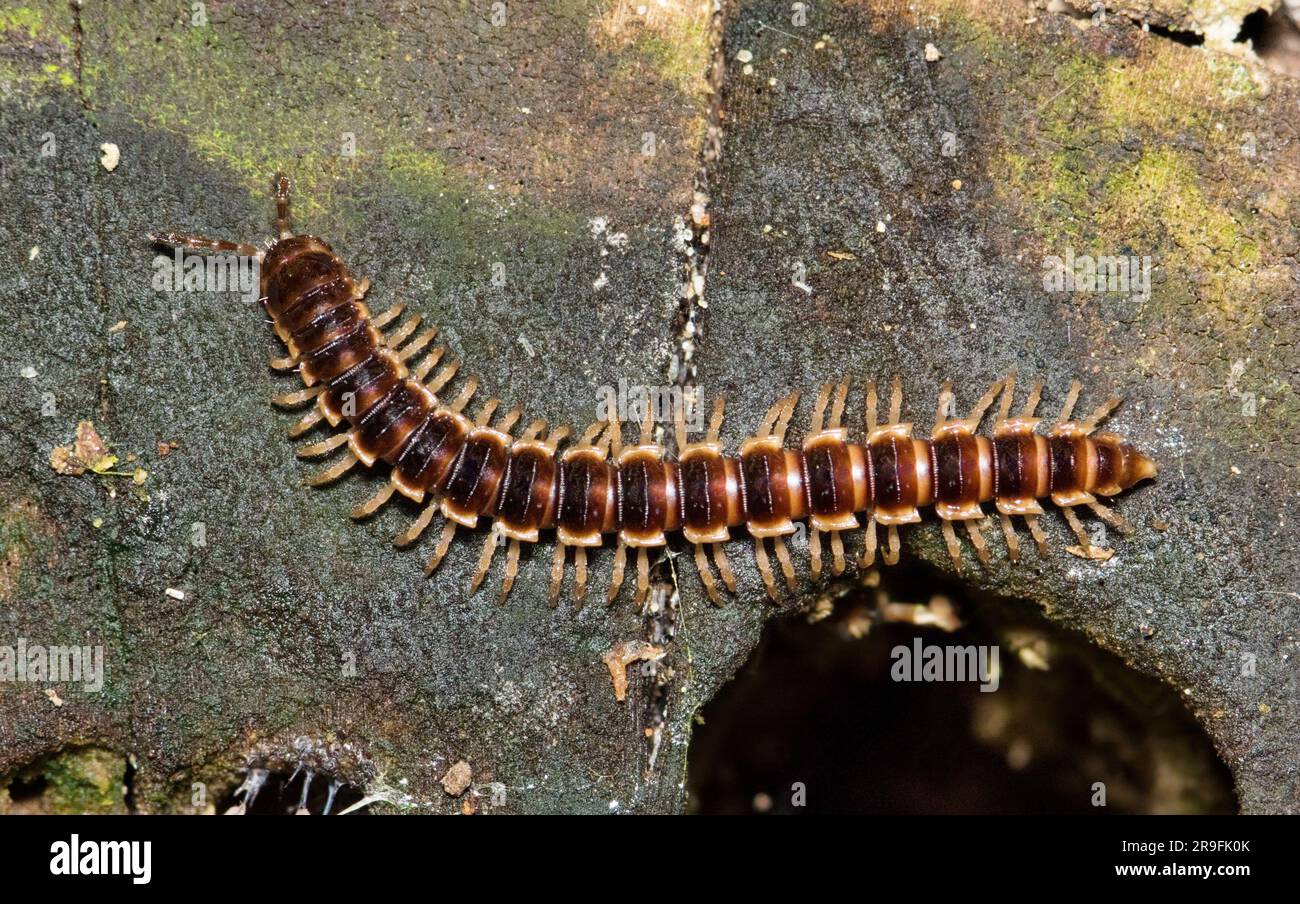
642, 576
294, 399
484, 560
837, 551
580, 583
388, 316
324, 447
375, 502
783, 556
557, 574
412, 533
309, 420
1008, 396
512, 570
425, 367
1070, 399
443, 377
1077, 526
419, 344
403, 332
1036, 529
892, 551
815, 553
444, 544
1103, 411
764, 567
724, 567
1111, 517
977, 540
620, 562
706, 575
954, 547
1031, 403
868, 557
1013, 542
333, 472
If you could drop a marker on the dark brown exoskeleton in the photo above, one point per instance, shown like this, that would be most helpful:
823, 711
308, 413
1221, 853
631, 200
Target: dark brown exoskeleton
468, 469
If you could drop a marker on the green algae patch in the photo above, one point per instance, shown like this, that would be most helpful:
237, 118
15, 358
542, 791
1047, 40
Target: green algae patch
88, 780
38, 52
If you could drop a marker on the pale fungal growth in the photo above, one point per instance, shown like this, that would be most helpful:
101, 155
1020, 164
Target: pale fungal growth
112, 155
623, 655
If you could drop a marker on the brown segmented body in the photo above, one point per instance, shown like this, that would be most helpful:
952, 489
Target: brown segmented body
471, 469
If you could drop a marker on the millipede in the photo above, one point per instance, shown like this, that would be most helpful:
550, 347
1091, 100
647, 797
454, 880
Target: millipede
362, 380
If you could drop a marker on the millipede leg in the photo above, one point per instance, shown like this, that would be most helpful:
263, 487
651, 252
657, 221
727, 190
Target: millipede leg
787, 412
420, 343
706, 575
418, 526
868, 557
765, 568
388, 316
1013, 542
977, 540
293, 399
443, 377
309, 420
1031, 403
203, 243
375, 502
1103, 411
512, 570
837, 551
1008, 396
892, 550
715, 419
485, 416
333, 472
977, 413
580, 584
783, 556
954, 547
815, 552
466, 393
403, 332
871, 407
1071, 398
324, 447
1036, 529
444, 544
642, 575
289, 362
895, 399
1111, 517
819, 407
1077, 526
620, 563
423, 369
485, 560
557, 574
724, 567
837, 407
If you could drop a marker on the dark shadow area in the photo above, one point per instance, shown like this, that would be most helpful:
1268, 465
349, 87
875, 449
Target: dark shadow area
816, 709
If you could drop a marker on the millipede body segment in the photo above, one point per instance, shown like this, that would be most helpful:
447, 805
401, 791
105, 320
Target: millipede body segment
384, 392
